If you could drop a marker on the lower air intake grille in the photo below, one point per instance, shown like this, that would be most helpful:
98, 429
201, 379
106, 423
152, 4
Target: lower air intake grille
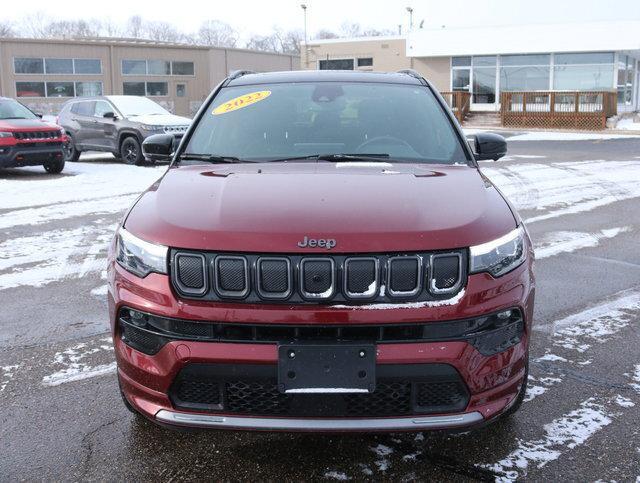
253, 391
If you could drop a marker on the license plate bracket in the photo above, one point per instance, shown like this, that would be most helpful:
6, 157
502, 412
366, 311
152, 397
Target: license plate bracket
326, 368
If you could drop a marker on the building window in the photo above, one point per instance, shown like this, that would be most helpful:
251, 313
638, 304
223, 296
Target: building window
87, 66
145, 88
28, 66
134, 67
181, 90
461, 61
158, 67
58, 66
365, 62
525, 72
336, 64
60, 89
157, 89
484, 79
88, 89
583, 72
133, 88
182, 68
30, 89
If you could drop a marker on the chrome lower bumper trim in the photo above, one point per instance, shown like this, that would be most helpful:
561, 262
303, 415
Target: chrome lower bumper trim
289, 424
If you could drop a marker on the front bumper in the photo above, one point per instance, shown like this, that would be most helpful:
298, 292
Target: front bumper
30, 154
493, 381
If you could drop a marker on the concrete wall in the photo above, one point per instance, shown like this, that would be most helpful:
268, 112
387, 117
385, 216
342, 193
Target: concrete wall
211, 65
389, 55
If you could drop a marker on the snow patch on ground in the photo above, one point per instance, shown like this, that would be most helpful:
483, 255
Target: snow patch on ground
596, 324
75, 363
627, 124
8, 372
336, 475
382, 452
636, 378
566, 188
539, 385
569, 241
624, 402
566, 432
551, 358
567, 136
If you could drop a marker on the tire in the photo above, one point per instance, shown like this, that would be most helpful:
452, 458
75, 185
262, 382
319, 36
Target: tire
520, 397
54, 167
131, 152
70, 151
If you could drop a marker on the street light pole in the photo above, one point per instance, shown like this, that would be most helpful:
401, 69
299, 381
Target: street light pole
410, 10
306, 59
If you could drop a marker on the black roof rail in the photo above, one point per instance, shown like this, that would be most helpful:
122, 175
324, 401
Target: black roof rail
412, 73
238, 73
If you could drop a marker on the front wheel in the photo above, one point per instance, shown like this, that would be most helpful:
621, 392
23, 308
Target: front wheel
54, 167
130, 151
70, 151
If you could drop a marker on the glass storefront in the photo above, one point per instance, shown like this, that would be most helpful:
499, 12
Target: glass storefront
486, 76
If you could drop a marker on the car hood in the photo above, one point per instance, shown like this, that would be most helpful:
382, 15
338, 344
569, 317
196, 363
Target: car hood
26, 125
365, 207
161, 120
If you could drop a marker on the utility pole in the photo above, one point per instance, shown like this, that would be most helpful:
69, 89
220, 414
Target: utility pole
306, 59
410, 10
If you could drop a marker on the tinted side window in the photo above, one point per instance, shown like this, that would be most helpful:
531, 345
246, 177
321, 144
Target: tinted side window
83, 108
102, 107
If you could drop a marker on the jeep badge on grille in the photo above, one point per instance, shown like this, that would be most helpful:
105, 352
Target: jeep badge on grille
327, 243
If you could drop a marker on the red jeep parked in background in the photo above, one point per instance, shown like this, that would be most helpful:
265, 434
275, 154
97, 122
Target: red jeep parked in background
27, 140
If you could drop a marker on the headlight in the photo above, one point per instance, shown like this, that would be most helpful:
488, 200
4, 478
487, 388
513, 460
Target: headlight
138, 256
499, 256
153, 128
6, 134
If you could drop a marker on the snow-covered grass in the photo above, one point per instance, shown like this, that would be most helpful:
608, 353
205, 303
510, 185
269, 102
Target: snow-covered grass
628, 124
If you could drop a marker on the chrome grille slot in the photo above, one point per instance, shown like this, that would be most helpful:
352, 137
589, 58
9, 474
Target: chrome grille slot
190, 273
274, 277
445, 271
231, 276
404, 276
361, 277
317, 278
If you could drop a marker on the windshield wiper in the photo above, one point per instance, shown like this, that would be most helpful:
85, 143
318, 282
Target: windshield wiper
14, 118
337, 157
211, 158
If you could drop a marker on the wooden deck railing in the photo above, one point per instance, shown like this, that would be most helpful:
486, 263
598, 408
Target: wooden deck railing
558, 109
459, 102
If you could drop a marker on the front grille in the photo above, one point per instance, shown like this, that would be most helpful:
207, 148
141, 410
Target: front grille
318, 279
252, 390
35, 135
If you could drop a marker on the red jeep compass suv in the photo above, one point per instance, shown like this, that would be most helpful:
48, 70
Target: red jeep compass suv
323, 254
26, 140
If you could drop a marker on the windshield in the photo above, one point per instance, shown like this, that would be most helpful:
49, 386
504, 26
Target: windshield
280, 121
130, 106
10, 109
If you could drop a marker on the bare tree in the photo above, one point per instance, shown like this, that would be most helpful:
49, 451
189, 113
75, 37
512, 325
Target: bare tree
34, 26
6, 30
162, 31
64, 29
134, 27
326, 34
267, 43
217, 34
350, 29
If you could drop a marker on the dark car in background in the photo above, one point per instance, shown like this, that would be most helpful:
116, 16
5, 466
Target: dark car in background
27, 140
116, 124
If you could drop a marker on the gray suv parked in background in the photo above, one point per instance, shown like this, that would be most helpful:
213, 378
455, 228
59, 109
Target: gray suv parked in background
116, 124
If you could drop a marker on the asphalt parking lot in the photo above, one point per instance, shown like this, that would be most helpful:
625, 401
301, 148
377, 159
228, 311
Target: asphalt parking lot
62, 418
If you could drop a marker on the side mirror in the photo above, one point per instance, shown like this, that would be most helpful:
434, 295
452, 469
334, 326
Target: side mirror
158, 147
109, 115
489, 146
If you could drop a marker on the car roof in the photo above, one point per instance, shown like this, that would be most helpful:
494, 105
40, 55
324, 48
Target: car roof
325, 76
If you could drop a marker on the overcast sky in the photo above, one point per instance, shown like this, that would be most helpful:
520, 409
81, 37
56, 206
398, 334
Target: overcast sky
260, 16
